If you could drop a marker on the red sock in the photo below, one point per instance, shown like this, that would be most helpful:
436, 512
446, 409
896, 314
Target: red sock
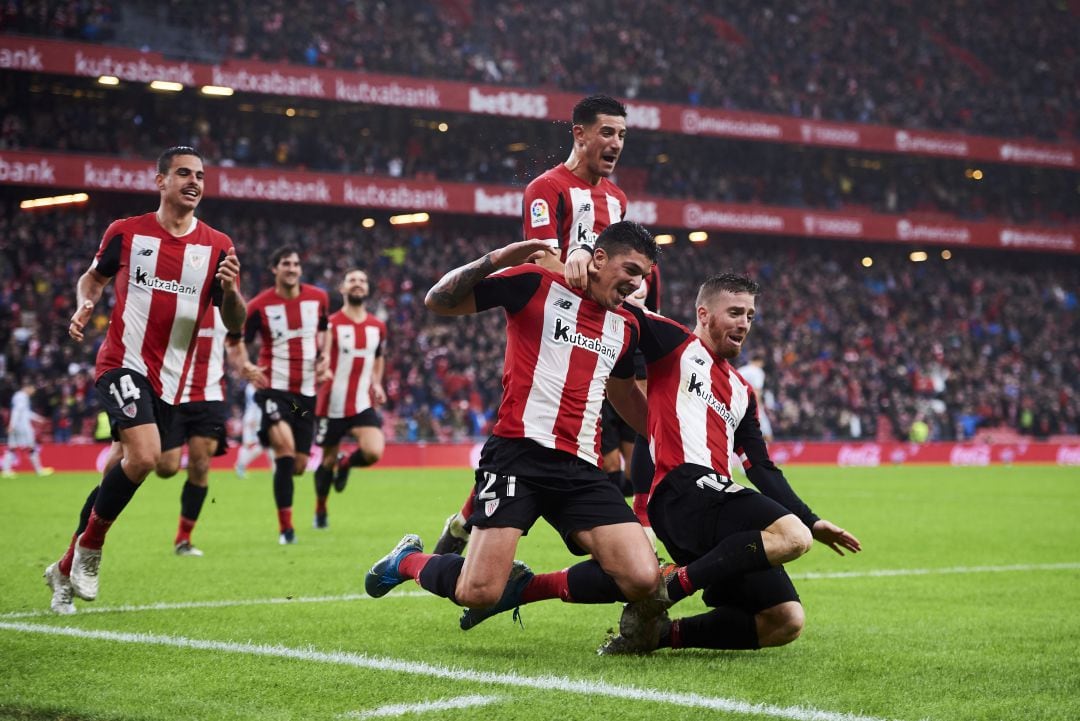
183, 532
466, 510
94, 535
66, 559
320, 504
675, 634
547, 585
413, 564
641, 508
284, 519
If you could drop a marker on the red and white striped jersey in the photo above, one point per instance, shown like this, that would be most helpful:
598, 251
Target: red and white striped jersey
206, 381
696, 400
562, 208
561, 346
353, 350
164, 285
287, 329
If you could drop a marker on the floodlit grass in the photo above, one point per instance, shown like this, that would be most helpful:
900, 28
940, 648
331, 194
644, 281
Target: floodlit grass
979, 622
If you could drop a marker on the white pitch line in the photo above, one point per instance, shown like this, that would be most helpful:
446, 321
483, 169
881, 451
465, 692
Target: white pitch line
939, 571
182, 605
545, 683
400, 709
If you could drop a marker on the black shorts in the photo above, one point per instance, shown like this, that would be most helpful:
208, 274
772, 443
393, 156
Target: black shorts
296, 410
330, 431
614, 431
692, 519
205, 419
577, 499
130, 401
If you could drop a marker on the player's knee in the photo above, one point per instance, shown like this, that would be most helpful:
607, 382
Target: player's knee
478, 595
790, 539
640, 583
199, 470
139, 463
167, 468
781, 624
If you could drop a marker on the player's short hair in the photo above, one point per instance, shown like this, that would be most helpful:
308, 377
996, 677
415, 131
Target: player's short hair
726, 283
282, 252
587, 109
355, 269
627, 235
164, 161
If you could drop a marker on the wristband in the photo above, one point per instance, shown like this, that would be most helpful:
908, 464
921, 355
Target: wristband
581, 246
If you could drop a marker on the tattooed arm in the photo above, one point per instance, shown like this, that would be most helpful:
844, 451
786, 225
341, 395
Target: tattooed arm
453, 294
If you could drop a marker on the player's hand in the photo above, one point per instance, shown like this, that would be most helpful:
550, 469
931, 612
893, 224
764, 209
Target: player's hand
577, 267
523, 251
835, 537
322, 369
255, 375
378, 395
228, 271
80, 319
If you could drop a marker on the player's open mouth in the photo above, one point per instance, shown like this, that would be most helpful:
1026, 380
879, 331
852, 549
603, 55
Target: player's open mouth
190, 192
609, 158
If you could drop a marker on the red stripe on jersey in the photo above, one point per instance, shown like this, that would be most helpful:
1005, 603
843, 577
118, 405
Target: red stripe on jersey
590, 323
206, 381
519, 369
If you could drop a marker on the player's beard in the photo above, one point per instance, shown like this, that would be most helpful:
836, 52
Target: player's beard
354, 301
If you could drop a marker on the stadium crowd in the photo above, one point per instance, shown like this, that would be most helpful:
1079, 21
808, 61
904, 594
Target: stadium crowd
75, 116
1003, 67
983, 340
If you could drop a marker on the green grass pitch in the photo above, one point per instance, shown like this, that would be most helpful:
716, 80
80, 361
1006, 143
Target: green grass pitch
964, 605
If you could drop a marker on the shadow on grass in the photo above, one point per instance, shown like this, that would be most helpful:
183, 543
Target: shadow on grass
9, 713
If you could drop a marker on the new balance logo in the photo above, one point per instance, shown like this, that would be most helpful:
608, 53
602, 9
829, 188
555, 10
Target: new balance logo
564, 304
146, 252
700, 361
585, 207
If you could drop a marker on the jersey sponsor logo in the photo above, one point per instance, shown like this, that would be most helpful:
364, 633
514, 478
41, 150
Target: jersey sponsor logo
562, 334
169, 286
697, 387
539, 215
585, 235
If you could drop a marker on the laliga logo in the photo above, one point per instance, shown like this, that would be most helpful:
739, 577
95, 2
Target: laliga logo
903, 229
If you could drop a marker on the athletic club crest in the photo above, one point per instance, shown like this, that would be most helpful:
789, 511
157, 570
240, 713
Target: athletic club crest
196, 261
490, 507
129, 410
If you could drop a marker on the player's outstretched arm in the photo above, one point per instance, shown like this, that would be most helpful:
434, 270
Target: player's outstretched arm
453, 294
835, 537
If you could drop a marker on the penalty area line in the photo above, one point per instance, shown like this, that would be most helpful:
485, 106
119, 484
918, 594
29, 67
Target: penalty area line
561, 684
402, 709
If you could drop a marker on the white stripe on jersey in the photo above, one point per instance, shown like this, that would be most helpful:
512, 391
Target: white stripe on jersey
614, 330
278, 323
309, 322
215, 364
137, 306
614, 208
583, 217
185, 321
